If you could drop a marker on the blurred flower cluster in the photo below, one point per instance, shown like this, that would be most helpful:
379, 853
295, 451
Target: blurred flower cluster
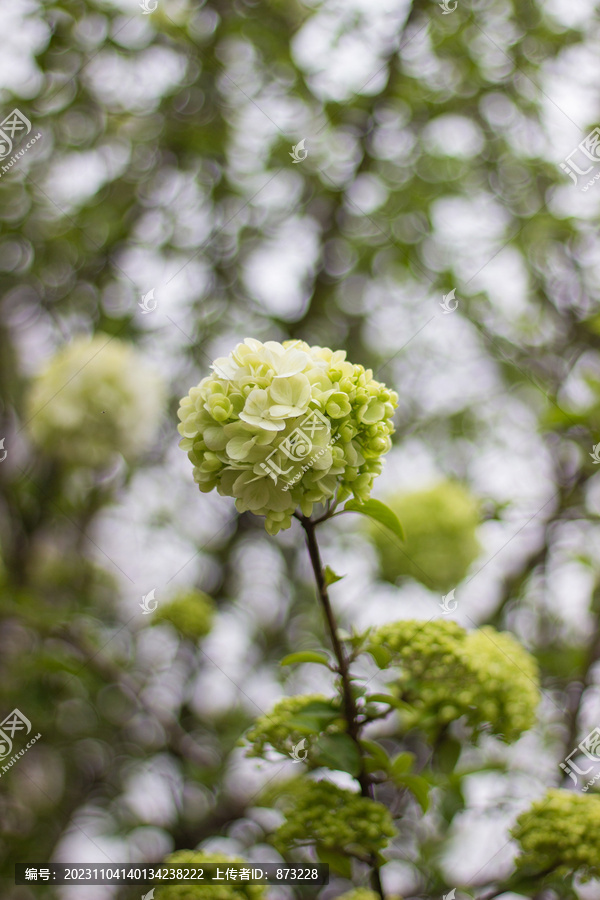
440, 524
190, 612
290, 720
333, 818
184, 859
484, 675
95, 398
560, 833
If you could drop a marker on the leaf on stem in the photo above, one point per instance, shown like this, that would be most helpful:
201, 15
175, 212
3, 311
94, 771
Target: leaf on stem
402, 763
380, 758
379, 512
338, 752
417, 785
331, 577
305, 656
314, 717
336, 861
380, 654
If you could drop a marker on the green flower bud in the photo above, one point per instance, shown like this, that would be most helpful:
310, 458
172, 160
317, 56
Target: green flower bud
338, 406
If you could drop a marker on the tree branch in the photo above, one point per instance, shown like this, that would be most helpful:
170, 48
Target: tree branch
350, 709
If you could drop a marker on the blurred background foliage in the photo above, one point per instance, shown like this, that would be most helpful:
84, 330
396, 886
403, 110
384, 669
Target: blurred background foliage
433, 147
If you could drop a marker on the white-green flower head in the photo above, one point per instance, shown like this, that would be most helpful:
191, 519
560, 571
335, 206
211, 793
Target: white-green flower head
561, 834
195, 859
95, 398
284, 426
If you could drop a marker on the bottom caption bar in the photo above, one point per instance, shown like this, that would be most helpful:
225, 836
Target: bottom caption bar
210, 873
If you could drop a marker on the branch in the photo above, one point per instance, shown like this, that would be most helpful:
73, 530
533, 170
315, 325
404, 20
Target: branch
351, 712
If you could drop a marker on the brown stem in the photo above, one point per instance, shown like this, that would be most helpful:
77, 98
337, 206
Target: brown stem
343, 668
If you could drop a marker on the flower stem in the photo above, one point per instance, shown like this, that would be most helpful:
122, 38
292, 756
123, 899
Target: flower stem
343, 668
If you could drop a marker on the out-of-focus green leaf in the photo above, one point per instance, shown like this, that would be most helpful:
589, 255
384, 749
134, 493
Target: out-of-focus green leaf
337, 751
305, 656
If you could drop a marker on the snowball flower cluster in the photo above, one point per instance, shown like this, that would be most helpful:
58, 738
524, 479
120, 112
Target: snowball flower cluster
560, 833
95, 398
333, 819
290, 720
195, 859
283, 426
440, 524
484, 675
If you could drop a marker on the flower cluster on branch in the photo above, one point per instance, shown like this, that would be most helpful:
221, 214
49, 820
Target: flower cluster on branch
447, 672
561, 834
284, 426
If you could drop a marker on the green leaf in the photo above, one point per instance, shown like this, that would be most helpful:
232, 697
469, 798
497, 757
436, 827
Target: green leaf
339, 752
402, 763
305, 656
314, 717
447, 754
358, 638
321, 709
379, 512
331, 577
378, 753
382, 698
417, 786
305, 724
336, 861
381, 655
